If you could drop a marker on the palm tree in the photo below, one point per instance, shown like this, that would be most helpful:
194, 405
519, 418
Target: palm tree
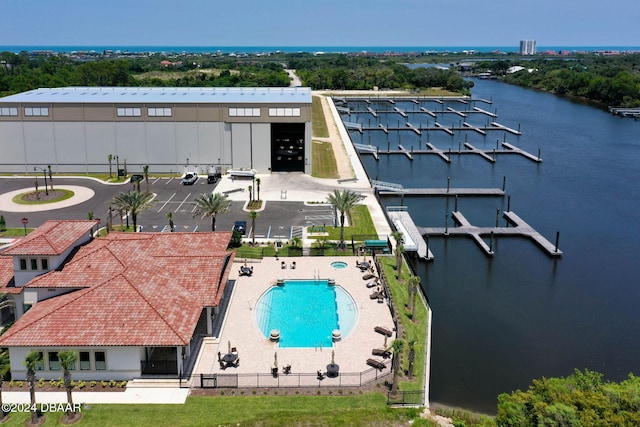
414, 282
33, 359
396, 345
209, 205
50, 177
250, 193
67, 361
110, 159
145, 170
134, 202
253, 215
343, 201
399, 252
397, 236
5, 366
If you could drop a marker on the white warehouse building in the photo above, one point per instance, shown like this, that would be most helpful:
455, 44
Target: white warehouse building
75, 129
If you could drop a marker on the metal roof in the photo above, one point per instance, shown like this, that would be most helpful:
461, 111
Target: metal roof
170, 95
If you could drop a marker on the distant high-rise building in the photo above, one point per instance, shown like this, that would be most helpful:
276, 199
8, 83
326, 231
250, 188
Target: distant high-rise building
527, 47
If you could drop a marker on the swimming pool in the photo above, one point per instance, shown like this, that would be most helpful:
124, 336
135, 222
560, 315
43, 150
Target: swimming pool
339, 264
306, 312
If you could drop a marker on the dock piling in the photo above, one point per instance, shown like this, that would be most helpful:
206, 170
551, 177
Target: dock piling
497, 218
557, 240
504, 183
448, 183
508, 203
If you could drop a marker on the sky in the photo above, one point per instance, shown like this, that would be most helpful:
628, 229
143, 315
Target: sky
319, 23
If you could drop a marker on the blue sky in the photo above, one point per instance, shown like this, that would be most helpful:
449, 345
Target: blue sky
320, 23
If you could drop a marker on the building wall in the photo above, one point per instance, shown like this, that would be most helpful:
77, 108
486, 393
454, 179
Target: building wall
123, 363
77, 137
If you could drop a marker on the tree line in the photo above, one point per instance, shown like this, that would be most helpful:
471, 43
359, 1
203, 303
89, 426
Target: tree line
22, 72
610, 80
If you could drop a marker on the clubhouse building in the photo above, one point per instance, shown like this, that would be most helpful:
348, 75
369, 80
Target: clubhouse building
75, 129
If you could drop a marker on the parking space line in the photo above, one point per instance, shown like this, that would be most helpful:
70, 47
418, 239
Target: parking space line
269, 233
180, 205
167, 202
170, 179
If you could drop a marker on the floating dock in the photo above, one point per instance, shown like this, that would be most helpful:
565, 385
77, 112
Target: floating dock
412, 239
519, 228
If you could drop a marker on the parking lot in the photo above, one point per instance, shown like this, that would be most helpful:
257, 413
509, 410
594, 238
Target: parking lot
278, 220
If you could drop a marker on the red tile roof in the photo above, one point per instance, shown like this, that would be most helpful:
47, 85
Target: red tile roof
6, 277
51, 238
141, 289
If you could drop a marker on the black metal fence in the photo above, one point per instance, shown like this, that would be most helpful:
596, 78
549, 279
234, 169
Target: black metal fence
292, 380
406, 398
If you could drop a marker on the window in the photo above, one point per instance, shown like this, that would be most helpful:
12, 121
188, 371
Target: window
40, 363
159, 112
9, 111
101, 361
44, 263
36, 111
23, 264
34, 263
244, 112
85, 361
129, 112
54, 362
284, 112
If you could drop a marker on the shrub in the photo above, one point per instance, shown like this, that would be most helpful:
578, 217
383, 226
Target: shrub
11, 383
53, 383
81, 384
92, 384
3, 223
123, 384
104, 383
41, 382
19, 383
112, 383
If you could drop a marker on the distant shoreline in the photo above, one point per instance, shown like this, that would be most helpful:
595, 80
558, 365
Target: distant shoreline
306, 49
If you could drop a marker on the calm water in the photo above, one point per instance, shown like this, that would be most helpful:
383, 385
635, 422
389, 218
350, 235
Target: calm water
500, 322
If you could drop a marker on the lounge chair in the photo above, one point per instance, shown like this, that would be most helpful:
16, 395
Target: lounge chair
376, 295
382, 330
368, 276
376, 364
372, 283
381, 352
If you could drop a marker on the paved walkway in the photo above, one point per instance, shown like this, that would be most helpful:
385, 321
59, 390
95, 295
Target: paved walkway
80, 194
132, 395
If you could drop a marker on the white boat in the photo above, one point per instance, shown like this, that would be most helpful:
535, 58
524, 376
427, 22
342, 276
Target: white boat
243, 172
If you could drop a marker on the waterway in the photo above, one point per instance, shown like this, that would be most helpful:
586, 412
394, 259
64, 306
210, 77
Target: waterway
501, 321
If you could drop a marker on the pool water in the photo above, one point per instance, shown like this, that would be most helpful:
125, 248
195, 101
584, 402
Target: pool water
339, 264
306, 312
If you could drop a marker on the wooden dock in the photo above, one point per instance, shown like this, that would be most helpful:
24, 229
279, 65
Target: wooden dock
488, 113
489, 155
519, 228
505, 128
373, 113
444, 192
413, 128
460, 113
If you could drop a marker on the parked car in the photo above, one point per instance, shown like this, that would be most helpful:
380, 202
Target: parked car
190, 179
240, 227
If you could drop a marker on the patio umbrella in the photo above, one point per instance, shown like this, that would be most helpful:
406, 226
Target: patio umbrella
275, 359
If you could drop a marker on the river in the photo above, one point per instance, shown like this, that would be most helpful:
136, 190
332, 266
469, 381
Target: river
499, 322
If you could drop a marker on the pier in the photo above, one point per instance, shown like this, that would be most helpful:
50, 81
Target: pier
503, 127
453, 191
489, 155
518, 228
625, 112
412, 239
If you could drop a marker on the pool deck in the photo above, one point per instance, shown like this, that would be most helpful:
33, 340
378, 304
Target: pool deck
256, 352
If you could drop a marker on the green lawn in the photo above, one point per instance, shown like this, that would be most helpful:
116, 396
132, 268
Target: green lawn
319, 124
245, 410
323, 160
415, 329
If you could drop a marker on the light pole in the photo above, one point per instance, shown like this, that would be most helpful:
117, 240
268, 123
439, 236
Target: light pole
44, 172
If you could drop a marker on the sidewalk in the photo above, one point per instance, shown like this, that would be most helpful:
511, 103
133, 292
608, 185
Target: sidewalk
132, 395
